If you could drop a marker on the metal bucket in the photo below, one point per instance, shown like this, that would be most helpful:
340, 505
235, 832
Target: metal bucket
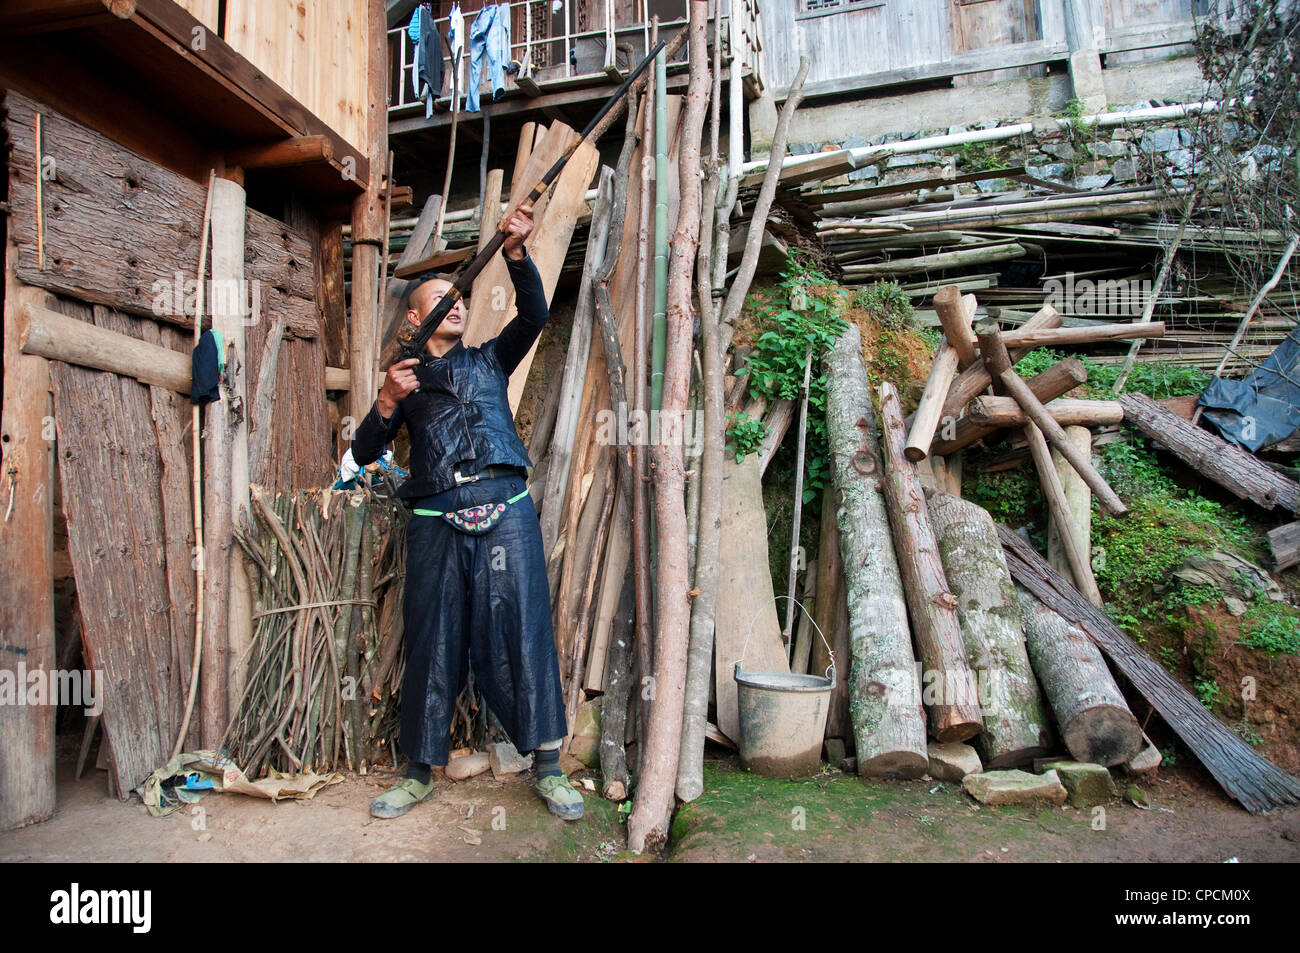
783, 716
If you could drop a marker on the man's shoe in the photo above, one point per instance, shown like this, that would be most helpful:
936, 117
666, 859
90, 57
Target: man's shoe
400, 798
561, 798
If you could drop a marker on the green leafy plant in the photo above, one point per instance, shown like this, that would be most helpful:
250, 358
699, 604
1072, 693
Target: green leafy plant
887, 302
1246, 731
783, 346
746, 434
1272, 627
1208, 692
976, 157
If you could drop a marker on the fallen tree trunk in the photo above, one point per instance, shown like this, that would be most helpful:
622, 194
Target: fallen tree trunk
1095, 721
884, 693
1232, 468
1257, 784
954, 715
1016, 727
1076, 548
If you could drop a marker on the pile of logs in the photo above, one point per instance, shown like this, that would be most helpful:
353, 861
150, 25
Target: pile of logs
999, 636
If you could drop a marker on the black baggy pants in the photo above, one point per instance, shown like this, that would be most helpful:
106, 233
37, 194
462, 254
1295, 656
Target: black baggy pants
480, 602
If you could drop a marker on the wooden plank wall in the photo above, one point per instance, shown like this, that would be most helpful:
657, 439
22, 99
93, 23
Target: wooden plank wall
126, 497
207, 12
116, 224
913, 33
316, 51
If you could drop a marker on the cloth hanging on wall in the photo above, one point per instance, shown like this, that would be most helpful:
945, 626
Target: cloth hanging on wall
489, 38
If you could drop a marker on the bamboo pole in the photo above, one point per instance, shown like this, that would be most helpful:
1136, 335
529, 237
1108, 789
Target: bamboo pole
196, 485
659, 336
787, 632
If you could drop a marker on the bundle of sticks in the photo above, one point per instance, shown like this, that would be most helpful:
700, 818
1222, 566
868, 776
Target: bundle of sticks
323, 672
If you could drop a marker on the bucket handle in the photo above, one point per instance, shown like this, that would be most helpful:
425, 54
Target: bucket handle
830, 669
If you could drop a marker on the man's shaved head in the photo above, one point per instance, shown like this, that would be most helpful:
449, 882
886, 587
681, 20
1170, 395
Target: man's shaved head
421, 299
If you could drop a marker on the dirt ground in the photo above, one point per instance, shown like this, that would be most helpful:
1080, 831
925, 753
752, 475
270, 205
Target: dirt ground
740, 817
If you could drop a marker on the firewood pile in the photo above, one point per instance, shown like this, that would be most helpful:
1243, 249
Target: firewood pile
1001, 635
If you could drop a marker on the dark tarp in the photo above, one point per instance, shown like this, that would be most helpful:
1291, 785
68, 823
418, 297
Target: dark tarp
1264, 408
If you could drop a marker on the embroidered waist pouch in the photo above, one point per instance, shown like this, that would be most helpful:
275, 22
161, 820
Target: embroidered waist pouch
474, 520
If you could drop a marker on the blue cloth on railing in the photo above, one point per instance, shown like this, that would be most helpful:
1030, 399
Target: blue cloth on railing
489, 37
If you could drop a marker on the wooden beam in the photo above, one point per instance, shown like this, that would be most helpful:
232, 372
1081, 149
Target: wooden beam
49, 334
1005, 412
56, 336
367, 223
298, 150
1060, 337
435, 262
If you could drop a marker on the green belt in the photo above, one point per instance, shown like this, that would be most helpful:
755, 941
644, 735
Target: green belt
513, 499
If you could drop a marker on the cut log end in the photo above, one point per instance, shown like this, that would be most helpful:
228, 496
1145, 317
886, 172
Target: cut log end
959, 731
1104, 735
1021, 756
894, 766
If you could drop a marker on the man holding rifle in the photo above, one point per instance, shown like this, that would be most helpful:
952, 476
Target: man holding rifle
476, 587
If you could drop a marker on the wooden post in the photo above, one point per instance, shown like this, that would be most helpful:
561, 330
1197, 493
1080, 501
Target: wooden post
1076, 549
26, 547
1078, 503
926, 421
884, 692
367, 223
1075, 546
956, 321
1056, 434
225, 460
954, 714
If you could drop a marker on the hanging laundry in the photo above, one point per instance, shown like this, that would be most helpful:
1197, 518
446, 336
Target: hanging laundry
456, 44
489, 37
427, 69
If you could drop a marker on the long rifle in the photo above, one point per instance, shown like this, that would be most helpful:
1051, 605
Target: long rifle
415, 344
